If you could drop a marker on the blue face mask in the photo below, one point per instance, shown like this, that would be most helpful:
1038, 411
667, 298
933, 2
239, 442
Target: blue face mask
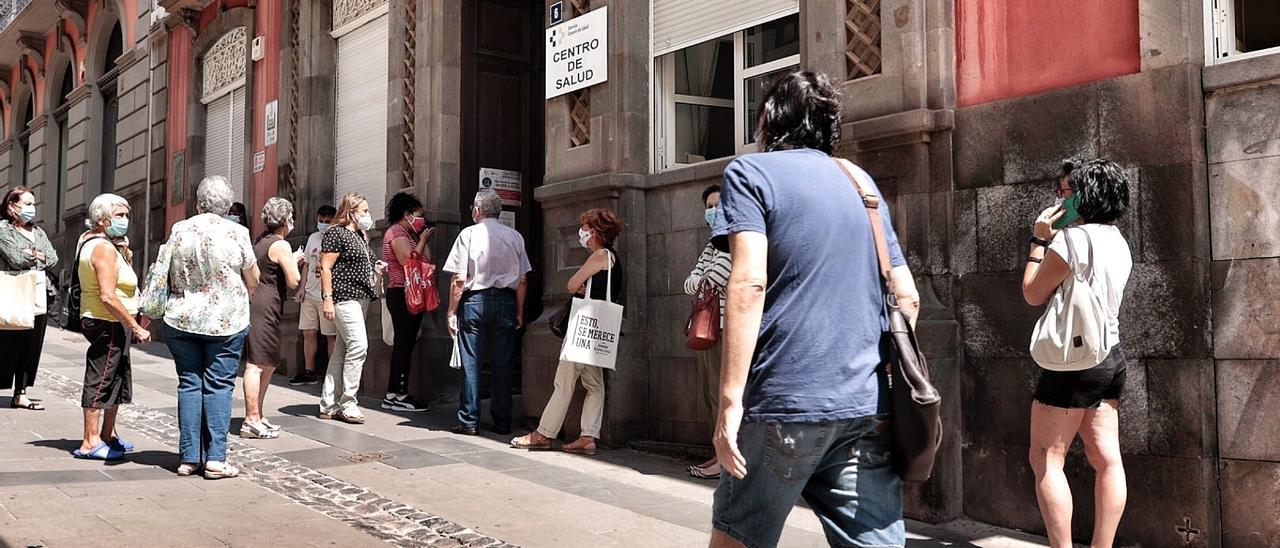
119, 227
710, 216
233, 218
28, 213
322, 226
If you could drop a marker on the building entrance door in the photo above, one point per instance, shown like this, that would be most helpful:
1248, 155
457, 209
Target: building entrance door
502, 110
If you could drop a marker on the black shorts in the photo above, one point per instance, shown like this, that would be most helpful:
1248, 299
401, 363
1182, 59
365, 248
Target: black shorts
108, 374
1084, 389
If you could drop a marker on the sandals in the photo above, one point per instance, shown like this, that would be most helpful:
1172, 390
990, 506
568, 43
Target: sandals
222, 472
258, 430
700, 474
102, 451
580, 448
188, 469
349, 418
31, 405
270, 426
120, 445
526, 442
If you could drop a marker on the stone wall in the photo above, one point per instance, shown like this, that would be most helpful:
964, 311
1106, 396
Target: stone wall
1242, 110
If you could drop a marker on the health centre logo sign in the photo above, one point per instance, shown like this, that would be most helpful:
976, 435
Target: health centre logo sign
578, 53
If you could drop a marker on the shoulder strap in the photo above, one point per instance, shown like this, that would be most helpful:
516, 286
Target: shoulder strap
872, 202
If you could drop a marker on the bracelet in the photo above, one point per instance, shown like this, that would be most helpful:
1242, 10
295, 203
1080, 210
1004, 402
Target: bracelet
1034, 260
1039, 241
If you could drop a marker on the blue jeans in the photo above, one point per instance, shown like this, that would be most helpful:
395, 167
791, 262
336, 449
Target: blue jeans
841, 468
206, 378
487, 332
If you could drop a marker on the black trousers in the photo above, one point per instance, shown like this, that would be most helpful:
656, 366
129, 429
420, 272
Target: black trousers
406, 328
24, 348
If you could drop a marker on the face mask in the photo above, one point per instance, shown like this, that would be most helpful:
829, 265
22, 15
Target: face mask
584, 236
366, 222
28, 213
119, 227
710, 216
233, 218
322, 226
418, 224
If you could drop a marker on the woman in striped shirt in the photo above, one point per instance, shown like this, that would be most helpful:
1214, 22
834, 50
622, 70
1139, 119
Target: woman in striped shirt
712, 269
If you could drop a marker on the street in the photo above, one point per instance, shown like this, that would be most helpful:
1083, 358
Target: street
399, 480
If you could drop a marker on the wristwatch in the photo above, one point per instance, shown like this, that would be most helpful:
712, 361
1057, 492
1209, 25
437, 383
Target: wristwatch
1039, 241
324, 296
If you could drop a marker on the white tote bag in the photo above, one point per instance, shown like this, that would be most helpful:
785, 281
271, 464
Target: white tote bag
18, 300
388, 328
1073, 334
455, 357
595, 327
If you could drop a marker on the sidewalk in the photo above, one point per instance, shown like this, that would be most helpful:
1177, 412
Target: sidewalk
398, 479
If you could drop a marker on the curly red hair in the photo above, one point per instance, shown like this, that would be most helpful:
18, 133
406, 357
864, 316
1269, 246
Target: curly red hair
603, 222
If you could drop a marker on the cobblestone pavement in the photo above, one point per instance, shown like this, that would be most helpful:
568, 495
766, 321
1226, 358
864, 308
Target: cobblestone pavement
399, 480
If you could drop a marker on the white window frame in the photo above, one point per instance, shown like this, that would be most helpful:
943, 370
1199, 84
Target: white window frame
1220, 34
664, 133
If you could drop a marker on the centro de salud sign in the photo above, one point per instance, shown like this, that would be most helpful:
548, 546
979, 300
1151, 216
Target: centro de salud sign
578, 53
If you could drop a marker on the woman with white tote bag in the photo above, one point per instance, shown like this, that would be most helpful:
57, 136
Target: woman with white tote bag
593, 332
25, 251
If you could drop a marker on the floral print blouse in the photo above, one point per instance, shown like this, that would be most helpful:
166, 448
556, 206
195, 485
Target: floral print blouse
207, 291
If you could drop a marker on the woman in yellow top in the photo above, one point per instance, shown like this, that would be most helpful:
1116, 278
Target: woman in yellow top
108, 308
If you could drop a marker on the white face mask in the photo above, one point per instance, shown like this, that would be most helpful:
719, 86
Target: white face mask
366, 222
584, 236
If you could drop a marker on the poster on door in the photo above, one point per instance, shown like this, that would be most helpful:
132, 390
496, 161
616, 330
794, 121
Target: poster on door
505, 182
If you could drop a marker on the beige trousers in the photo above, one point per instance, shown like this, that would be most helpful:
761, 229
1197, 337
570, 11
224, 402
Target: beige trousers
709, 376
567, 374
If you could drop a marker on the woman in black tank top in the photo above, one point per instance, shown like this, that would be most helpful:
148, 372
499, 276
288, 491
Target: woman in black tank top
604, 269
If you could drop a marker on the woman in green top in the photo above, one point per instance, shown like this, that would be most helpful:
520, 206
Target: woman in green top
23, 247
108, 308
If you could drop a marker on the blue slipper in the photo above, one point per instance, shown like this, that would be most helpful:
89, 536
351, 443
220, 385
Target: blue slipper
120, 445
102, 451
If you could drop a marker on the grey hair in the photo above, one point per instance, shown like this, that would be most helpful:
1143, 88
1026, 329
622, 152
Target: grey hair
214, 195
103, 206
276, 212
488, 203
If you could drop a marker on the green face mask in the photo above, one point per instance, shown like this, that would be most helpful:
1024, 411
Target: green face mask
1072, 215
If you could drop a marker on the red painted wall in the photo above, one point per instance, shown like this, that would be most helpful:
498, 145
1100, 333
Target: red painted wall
266, 88
176, 119
1008, 48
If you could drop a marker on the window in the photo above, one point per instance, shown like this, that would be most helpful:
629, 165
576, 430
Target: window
709, 94
1242, 28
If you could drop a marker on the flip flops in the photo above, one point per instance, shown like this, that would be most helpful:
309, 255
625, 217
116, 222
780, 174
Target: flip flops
102, 451
698, 473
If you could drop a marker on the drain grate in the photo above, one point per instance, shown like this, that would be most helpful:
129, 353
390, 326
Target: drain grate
366, 457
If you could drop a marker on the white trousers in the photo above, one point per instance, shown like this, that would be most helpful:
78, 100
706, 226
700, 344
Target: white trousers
346, 365
567, 374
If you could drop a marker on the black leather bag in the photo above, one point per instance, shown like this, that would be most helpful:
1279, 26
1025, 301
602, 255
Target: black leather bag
917, 406
559, 321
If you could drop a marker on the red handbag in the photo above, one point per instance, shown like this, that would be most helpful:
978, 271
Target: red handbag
420, 293
703, 329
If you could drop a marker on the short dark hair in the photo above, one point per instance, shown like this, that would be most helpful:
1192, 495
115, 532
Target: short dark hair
326, 211
800, 110
707, 192
1102, 187
400, 205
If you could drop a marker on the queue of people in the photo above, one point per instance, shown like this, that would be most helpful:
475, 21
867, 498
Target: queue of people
795, 384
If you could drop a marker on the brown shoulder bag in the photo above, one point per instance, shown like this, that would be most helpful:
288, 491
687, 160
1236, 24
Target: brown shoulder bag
917, 420
703, 328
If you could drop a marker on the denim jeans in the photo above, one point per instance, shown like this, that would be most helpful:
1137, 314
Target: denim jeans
207, 368
346, 365
487, 329
841, 468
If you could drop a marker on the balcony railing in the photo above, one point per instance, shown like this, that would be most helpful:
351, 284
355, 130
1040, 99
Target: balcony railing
9, 10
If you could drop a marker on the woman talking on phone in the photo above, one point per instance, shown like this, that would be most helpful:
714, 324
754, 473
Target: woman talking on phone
1079, 232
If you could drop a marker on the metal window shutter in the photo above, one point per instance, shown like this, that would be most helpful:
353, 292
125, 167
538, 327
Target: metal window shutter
224, 139
360, 140
678, 24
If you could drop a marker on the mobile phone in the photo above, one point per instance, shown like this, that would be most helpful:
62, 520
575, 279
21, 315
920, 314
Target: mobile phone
1071, 214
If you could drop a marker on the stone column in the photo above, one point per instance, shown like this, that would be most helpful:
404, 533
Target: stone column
608, 171
77, 192
36, 158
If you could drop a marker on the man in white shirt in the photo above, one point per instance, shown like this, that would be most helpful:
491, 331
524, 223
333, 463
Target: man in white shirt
489, 267
311, 317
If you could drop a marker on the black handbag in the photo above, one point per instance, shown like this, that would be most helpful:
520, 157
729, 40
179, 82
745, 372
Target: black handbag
559, 321
917, 406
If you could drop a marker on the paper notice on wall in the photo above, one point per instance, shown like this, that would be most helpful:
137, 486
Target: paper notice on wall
272, 122
507, 218
505, 182
259, 161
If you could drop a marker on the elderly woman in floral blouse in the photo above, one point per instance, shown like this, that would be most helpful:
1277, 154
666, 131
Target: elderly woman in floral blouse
212, 274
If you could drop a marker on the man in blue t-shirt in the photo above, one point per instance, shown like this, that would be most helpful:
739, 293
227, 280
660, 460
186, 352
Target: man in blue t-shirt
803, 411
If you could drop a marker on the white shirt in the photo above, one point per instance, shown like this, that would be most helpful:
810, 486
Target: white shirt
312, 251
1113, 263
488, 255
